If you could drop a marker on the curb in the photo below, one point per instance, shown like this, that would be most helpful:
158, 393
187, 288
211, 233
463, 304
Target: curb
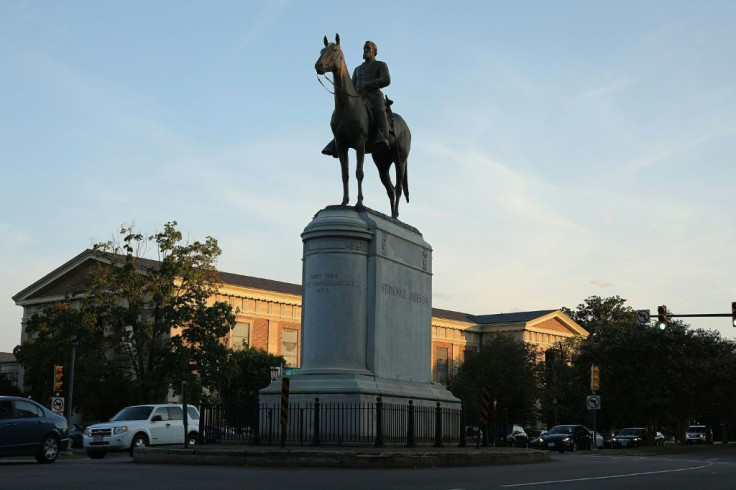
338, 458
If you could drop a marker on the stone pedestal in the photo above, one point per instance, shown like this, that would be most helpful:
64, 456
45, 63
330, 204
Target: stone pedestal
367, 313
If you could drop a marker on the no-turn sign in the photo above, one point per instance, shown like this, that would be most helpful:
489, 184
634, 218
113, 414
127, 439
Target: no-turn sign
57, 405
593, 402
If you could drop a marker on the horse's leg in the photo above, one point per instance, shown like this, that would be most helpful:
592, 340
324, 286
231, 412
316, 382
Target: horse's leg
360, 156
400, 169
384, 168
344, 166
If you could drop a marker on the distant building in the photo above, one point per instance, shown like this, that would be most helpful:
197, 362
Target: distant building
269, 316
11, 370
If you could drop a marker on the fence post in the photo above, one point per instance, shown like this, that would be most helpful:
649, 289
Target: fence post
462, 427
410, 426
256, 420
315, 436
379, 422
270, 425
438, 426
200, 436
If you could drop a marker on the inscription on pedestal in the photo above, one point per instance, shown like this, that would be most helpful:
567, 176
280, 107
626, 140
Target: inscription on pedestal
321, 282
404, 294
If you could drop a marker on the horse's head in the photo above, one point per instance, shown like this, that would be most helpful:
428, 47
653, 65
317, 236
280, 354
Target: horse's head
330, 58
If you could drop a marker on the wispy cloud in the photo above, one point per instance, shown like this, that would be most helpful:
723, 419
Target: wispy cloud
607, 88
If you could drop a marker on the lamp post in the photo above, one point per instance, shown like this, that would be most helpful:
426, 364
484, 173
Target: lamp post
554, 405
74, 340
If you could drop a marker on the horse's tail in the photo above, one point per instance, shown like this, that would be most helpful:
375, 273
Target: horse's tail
405, 183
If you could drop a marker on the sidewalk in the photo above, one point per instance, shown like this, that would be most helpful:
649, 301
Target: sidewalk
340, 457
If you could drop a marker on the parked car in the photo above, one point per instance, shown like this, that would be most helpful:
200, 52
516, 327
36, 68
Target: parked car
76, 432
518, 437
698, 434
608, 439
567, 438
141, 426
631, 437
535, 437
30, 429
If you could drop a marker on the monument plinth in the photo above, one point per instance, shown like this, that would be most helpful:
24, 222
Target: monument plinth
366, 312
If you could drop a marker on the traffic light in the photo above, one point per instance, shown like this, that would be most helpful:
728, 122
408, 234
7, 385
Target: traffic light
58, 378
595, 380
662, 317
733, 313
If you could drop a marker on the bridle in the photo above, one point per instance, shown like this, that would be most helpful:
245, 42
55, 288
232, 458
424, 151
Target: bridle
336, 87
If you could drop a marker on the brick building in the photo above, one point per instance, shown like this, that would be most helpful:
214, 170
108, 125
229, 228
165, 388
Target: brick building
269, 316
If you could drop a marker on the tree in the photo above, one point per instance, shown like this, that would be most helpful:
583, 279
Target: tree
508, 368
651, 377
99, 388
157, 315
562, 387
596, 313
253, 373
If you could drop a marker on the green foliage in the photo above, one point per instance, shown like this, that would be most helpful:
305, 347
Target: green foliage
143, 325
253, 372
157, 314
508, 368
663, 379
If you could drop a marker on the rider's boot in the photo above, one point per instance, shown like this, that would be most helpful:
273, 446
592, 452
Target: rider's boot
330, 149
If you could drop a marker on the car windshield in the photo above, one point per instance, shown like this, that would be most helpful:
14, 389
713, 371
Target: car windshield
132, 413
629, 432
696, 428
562, 429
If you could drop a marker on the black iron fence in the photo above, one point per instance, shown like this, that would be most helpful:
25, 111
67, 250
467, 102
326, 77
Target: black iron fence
317, 423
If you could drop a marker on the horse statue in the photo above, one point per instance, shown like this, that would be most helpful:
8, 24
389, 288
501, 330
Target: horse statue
352, 127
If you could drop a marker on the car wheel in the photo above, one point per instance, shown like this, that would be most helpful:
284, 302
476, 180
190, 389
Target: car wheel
49, 450
140, 440
192, 439
95, 454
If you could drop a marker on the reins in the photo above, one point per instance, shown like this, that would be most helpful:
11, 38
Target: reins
336, 87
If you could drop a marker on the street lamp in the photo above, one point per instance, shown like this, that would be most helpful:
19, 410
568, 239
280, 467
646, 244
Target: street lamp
74, 340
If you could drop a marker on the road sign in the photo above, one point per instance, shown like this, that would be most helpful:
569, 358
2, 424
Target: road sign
57, 405
593, 402
642, 316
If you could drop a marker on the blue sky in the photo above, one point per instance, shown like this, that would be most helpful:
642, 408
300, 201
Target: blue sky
560, 149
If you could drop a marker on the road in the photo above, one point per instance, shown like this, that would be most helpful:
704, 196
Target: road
708, 469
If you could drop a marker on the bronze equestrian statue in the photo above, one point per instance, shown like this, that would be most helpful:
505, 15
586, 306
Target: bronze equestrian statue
361, 121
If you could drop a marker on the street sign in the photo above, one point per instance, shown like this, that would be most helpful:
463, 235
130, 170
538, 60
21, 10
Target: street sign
57, 405
642, 317
593, 402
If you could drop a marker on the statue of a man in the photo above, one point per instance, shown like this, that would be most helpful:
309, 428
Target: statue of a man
369, 78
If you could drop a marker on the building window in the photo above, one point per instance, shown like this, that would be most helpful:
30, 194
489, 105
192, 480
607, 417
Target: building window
289, 347
240, 336
442, 373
